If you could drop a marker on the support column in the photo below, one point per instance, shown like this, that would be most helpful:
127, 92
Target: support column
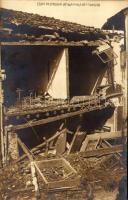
67, 72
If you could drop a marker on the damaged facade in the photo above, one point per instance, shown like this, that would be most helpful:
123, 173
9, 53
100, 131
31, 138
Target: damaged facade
59, 94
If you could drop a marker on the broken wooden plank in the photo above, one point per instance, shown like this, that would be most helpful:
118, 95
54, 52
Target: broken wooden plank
84, 144
58, 133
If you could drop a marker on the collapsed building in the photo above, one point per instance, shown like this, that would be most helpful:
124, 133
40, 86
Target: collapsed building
59, 88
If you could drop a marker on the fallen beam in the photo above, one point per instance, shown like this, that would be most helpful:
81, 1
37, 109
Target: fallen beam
30, 189
97, 152
102, 151
58, 133
105, 135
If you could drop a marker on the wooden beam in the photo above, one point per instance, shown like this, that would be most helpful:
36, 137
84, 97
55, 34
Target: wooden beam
73, 140
102, 151
52, 43
58, 133
105, 135
42, 43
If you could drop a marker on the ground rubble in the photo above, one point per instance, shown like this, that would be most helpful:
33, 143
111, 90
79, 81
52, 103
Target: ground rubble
100, 178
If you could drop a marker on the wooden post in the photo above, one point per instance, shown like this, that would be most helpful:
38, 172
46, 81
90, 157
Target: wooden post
67, 72
2, 147
126, 69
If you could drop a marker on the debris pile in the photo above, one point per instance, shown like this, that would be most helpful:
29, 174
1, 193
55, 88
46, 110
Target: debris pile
16, 181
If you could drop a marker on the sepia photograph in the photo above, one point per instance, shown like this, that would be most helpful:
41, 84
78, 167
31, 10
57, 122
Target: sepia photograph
63, 99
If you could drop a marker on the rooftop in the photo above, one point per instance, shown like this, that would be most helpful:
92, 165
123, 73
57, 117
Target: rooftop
21, 26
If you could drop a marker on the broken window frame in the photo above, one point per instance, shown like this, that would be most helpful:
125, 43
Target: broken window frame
111, 57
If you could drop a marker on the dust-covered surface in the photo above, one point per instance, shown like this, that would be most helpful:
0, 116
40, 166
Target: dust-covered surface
101, 179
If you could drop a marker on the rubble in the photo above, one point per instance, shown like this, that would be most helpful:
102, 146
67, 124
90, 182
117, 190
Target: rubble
93, 180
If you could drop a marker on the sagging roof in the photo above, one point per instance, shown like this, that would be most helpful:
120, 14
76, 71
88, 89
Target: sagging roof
20, 26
